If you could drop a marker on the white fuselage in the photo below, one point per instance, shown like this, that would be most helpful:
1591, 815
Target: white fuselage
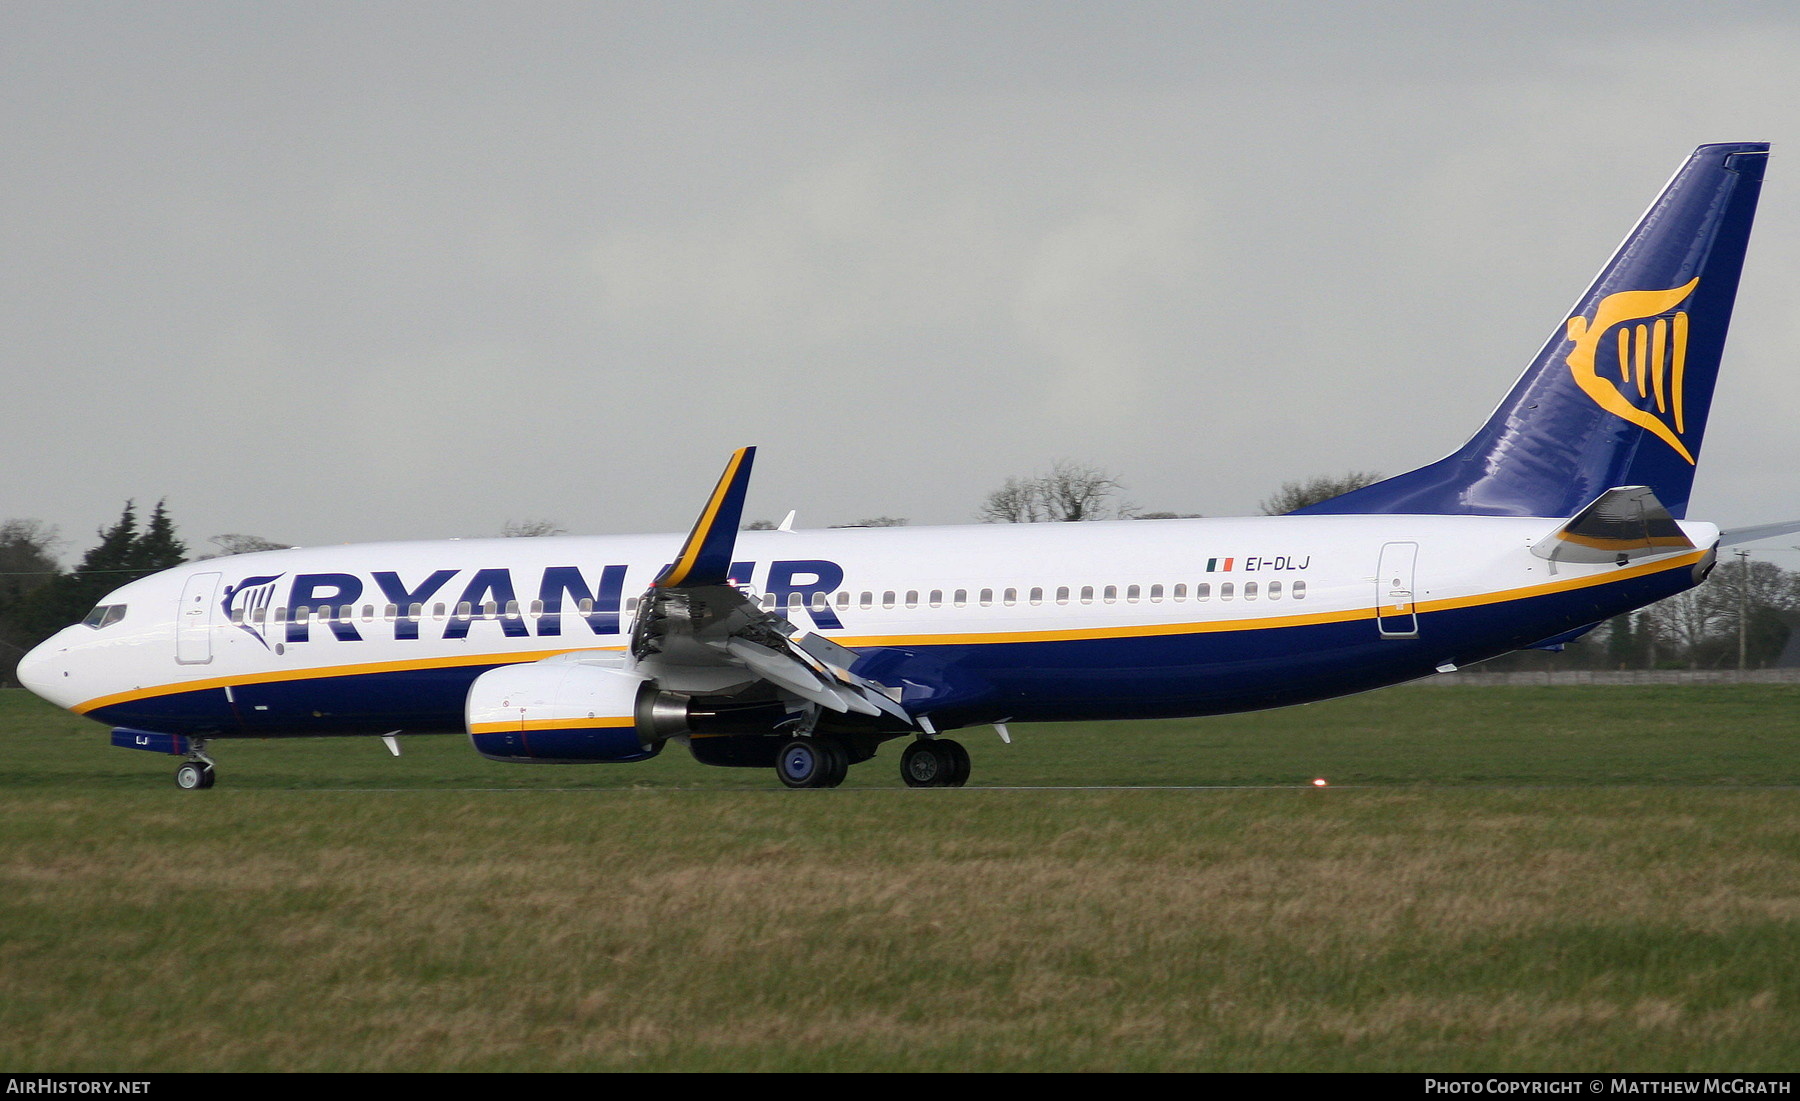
970, 624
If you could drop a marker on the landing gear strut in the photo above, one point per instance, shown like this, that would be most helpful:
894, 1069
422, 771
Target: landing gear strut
935, 763
819, 761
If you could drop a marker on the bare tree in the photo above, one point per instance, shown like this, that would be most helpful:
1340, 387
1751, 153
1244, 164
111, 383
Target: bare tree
1068, 492
233, 543
1310, 491
531, 529
876, 522
1016, 502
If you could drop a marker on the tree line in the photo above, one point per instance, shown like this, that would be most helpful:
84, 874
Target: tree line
38, 598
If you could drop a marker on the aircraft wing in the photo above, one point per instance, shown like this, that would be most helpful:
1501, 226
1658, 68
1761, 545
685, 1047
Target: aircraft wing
693, 617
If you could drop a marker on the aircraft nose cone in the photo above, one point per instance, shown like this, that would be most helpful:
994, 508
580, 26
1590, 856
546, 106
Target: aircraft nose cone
44, 669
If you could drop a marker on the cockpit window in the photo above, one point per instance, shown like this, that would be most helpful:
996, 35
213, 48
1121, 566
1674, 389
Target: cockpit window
104, 615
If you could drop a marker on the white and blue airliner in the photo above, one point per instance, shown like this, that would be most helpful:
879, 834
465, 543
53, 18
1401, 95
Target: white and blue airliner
806, 651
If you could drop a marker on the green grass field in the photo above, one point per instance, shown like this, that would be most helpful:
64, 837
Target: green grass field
1496, 879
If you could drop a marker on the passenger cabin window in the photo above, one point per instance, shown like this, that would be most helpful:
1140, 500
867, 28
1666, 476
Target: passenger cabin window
1225, 591
1299, 590
1249, 590
1037, 596
1274, 590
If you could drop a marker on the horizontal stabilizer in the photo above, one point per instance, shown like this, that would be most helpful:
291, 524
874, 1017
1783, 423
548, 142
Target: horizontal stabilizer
1738, 536
1622, 524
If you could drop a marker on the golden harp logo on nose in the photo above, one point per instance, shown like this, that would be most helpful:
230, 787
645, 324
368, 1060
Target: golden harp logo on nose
1652, 359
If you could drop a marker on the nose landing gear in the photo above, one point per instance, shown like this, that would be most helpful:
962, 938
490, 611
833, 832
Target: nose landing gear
196, 773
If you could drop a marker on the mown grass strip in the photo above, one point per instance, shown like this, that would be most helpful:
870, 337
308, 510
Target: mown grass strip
1463, 918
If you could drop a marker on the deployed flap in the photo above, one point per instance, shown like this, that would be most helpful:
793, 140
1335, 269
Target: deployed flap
1622, 524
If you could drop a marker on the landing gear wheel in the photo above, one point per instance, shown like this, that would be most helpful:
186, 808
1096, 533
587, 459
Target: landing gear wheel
959, 763
935, 763
194, 776
815, 762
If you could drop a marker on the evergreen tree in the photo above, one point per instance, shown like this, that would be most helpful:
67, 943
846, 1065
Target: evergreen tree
123, 555
157, 548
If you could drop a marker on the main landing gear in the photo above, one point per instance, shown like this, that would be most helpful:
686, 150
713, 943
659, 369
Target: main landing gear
935, 763
822, 761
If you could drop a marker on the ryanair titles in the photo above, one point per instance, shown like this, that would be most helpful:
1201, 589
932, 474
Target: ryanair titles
278, 609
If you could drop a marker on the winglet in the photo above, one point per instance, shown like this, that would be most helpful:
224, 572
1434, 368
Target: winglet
705, 558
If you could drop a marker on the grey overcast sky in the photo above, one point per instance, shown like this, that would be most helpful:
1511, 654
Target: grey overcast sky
330, 272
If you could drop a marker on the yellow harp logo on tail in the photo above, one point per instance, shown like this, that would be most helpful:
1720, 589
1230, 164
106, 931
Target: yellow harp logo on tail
1652, 359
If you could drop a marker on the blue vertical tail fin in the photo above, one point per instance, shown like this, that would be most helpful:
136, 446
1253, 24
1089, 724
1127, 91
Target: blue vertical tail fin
1620, 393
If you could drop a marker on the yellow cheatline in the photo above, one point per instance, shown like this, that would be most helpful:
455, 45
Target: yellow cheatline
322, 672
528, 725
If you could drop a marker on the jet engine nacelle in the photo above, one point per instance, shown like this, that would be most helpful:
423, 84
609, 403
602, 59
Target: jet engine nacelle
560, 711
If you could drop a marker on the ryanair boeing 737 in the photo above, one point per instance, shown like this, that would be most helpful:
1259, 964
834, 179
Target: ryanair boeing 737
806, 651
